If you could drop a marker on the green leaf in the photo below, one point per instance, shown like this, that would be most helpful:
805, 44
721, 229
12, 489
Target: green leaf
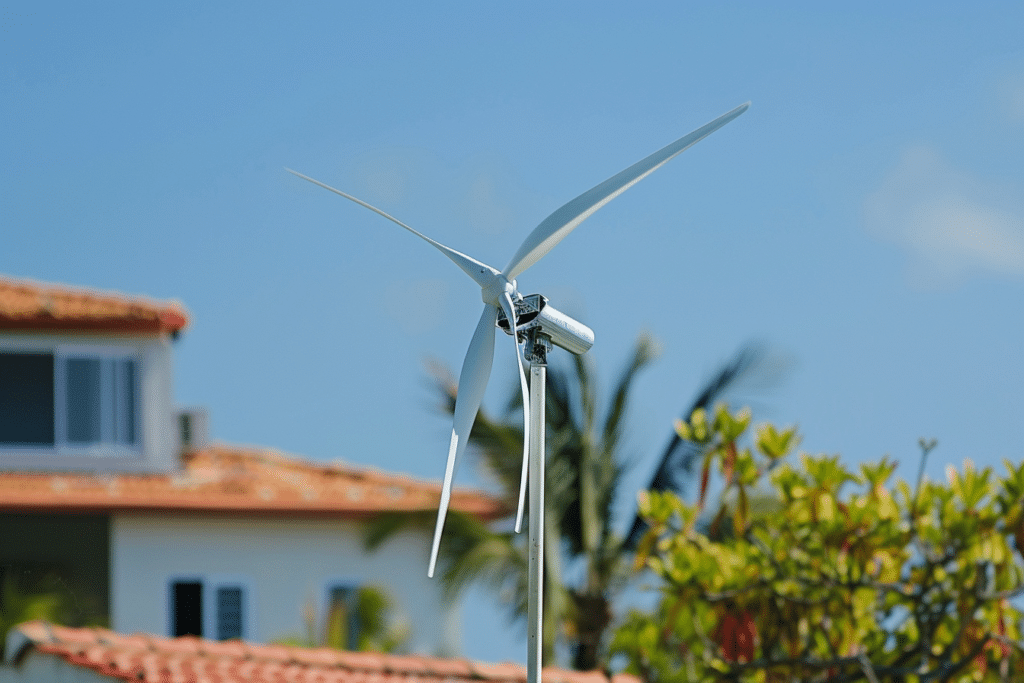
729, 426
775, 444
699, 428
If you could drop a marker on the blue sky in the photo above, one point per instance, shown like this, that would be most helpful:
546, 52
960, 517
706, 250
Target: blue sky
865, 217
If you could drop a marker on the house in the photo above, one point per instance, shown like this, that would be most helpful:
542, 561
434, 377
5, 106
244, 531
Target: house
152, 530
39, 652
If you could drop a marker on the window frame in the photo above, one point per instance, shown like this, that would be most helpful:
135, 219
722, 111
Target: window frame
210, 584
62, 352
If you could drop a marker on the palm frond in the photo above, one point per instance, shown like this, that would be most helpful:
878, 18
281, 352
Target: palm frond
379, 529
646, 350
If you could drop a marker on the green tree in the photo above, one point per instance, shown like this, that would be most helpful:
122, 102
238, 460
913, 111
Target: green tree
584, 467
852, 577
681, 456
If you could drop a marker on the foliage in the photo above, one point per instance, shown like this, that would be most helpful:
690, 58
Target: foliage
368, 614
362, 623
878, 583
18, 605
681, 456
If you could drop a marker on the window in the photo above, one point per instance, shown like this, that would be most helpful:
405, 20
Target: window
100, 401
343, 626
26, 399
187, 608
70, 399
229, 612
208, 608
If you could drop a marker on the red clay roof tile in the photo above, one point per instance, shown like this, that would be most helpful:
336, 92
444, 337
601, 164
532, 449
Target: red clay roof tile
163, 660
30, 305
237, 480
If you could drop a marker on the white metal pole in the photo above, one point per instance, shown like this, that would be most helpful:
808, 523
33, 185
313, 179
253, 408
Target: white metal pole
535, 605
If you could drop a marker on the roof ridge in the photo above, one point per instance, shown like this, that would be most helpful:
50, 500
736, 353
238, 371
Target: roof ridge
277, 456
26, 303
158, 658
43, 287
250, 480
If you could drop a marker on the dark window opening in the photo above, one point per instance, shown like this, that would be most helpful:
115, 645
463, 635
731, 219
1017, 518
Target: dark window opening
187, 608
26, 399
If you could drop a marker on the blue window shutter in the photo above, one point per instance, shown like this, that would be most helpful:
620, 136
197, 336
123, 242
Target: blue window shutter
230, 602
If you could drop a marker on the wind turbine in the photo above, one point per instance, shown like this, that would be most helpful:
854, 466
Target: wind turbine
531, 320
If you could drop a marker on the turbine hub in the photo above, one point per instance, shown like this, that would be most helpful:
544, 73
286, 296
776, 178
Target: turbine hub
494, 292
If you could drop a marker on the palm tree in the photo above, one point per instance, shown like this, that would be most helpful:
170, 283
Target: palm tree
583, 477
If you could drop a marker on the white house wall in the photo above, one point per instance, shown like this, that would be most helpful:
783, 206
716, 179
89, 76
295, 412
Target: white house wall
284, 563
156, 389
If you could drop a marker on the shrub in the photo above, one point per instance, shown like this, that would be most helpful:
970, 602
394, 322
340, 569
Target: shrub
817, 573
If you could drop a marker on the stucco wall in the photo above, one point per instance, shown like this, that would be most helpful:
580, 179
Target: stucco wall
285, 563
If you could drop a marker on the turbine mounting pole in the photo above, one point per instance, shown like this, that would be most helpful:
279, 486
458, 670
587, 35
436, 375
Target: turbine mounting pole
537, 346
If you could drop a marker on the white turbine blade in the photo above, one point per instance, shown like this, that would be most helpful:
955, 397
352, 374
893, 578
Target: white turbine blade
482, 273
555, 227
472, 382
509, 308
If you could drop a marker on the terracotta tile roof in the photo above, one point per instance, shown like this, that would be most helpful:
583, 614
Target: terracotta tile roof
226, 479
30, 305
154, 659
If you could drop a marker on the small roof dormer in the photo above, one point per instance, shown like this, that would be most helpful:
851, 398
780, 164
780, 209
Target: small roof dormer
85, 379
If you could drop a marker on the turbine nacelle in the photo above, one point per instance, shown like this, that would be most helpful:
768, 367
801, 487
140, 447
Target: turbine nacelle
533, 312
